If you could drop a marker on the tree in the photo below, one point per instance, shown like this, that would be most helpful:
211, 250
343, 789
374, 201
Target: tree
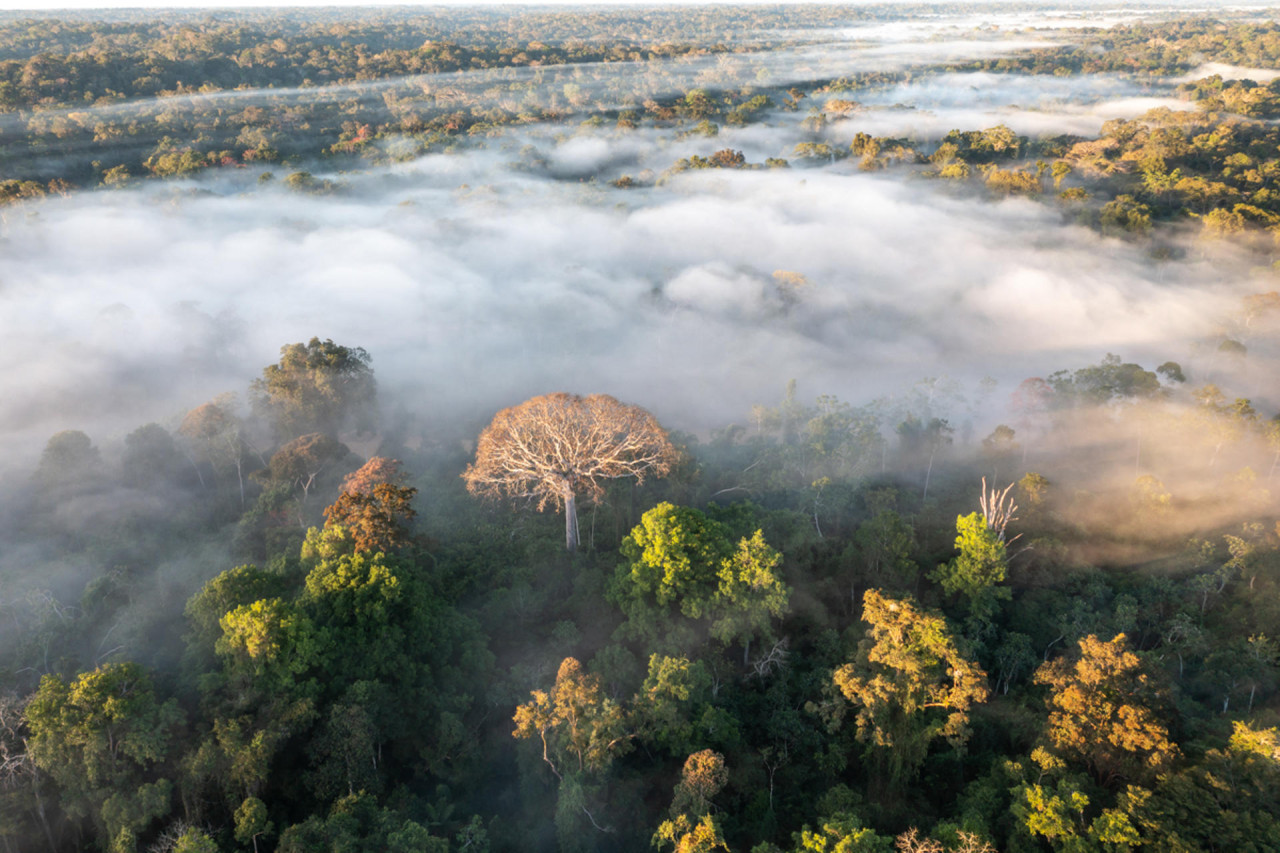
251, 822
841, 833
910, 684
356, 822
377, 521
316, 387
685, 836
1225, 802
375, 472
1060, 816
70, 463
883, 546
150, 457
684, 563
99, 737
692, 829
577, 724
1100, 712
980, 566
917, 436
301, 462
219, 435
703, 776
549, 449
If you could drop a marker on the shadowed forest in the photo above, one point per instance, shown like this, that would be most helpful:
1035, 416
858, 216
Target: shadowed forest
798, 428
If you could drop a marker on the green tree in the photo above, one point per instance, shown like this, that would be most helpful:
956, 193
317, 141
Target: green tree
1060, 815
684, 569
251, 822
883, 546
665, 706
318, 386
1224, 802
70, 464
357, 823
841, 834
1126, 215
910, 685
151, 459
101, 738
976, 572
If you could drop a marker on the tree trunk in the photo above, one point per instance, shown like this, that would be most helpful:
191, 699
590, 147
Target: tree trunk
571, 522
928, 472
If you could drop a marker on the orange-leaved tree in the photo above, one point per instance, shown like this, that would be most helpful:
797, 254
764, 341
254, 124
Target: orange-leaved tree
1101, 712
549, 449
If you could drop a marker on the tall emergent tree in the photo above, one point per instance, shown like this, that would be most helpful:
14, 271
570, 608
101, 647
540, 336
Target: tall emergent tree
550, 448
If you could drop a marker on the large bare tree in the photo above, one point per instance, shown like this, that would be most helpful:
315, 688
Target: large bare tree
549, 449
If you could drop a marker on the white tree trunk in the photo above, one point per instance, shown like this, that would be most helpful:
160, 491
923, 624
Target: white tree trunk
571, 522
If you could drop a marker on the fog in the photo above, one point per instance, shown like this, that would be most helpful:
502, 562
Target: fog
1228, 72
475, 284
476, 279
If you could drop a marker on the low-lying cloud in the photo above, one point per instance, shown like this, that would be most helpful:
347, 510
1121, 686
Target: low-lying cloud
475, 284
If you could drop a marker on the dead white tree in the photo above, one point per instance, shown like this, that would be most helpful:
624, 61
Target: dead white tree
998, 509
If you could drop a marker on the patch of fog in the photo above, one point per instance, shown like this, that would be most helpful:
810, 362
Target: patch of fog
934, 123
475, 284
928, 107
1228, 72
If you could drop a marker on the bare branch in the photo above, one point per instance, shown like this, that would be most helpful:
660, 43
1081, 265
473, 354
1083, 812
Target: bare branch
998, 509
552, 448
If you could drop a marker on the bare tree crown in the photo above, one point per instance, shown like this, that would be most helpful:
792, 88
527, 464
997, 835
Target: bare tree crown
553, 447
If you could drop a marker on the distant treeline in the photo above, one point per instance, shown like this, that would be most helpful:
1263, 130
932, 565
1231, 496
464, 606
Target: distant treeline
91, 102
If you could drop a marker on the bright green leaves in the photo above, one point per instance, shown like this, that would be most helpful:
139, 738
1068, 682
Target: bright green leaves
684, 836
842, 834
667, 700
102, 729
675, 552
267, 642
361, 668
750, 591
684, 567
100, 738
1059, 816
1226, 802
976, 571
